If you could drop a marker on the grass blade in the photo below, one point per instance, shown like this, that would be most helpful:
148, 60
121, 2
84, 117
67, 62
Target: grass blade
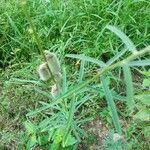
116, 57
64, 84
87, 58
82, 101
21, 81
140, 63
70, 120
44, 93
12, 23
129, 87
81, 72
130, 45
111, 105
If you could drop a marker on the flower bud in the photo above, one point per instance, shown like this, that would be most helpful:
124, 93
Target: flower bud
55, 90
53, 62
43, 72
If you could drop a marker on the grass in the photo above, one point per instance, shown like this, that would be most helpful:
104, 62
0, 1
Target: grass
70, 27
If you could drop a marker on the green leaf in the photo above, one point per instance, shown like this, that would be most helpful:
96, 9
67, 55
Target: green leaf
87, 58
21, 81
43, 139
144, 98
30, 128
79, 131
143, 115
130, 45
44, 93
43, 124
12, 23
31, 142
111, 105
139, 63
146, 82
69, 141
146, 132
51, 134
80, 102
146, 73
81, 73
116, 57
58, 136
69, 120
129, 87
54, 146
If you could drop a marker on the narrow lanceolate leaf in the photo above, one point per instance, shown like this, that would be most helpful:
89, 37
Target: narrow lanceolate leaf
111, 105
144, 98
44, 93
129, 87
140, 63
81, 73
130, 45
64, 81
69, 121
116, 57
87, 58
80, 102
21, 81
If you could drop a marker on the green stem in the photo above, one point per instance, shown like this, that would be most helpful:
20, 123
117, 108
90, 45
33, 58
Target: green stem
37, 38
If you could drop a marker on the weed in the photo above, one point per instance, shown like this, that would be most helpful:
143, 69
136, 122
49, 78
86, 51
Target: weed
57, 114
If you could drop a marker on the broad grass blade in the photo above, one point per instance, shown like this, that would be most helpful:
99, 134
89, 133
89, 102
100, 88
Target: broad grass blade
44, 93
130, 45
70, 120
81, 72
139, 63
87, 58
129, 87
111, 104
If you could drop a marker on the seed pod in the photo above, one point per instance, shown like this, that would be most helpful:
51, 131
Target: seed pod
53, 62
43, 72
55, 90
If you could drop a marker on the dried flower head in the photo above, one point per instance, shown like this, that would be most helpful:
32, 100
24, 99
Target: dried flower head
58, 77
53, 62
43, 72
55, 90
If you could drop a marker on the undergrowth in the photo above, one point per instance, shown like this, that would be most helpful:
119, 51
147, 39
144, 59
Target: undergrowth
51, 111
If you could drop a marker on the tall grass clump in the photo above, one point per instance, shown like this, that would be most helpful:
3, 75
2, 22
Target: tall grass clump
60, 123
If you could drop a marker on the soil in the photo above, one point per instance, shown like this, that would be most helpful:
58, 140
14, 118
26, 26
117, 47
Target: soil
97, 129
